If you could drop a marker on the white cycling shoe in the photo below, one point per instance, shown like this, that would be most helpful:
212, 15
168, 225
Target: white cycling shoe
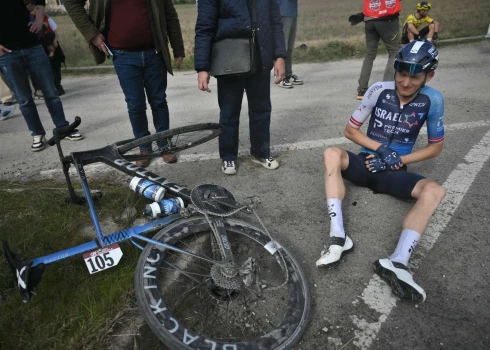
400, 279
337, 247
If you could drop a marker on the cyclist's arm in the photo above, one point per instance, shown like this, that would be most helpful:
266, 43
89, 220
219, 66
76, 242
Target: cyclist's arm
412, 29
357, 136
430, 151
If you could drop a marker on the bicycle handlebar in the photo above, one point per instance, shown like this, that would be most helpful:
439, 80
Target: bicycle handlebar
64, 131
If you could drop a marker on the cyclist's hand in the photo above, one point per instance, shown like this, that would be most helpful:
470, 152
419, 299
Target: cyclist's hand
203, 81
391, 159
98, 42
4, 50
374, 164
179, 61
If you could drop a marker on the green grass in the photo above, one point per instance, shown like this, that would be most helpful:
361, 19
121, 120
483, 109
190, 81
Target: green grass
73, 308
322, 26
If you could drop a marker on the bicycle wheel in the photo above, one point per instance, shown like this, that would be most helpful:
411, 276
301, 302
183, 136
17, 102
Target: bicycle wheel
169, 141
180, 300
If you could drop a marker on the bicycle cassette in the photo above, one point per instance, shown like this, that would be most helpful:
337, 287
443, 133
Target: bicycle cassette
214, 200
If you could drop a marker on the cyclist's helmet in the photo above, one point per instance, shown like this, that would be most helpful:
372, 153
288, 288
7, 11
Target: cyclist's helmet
423, 5
417, 57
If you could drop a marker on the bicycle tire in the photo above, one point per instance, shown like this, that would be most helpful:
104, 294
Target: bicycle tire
169, 141
171, 312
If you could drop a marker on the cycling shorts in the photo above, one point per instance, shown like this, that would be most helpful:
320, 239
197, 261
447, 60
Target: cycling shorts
398, 183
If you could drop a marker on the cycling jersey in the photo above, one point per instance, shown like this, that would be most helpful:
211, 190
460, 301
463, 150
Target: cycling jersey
417, 22
398, 126
381, 8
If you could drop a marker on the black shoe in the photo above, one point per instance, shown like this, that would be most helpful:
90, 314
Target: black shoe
60, 91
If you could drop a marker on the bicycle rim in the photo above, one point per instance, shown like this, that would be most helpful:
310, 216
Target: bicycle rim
169, 141
185, 308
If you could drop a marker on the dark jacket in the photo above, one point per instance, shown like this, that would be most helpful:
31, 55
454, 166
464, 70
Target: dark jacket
164, 21
14, 30
221, 19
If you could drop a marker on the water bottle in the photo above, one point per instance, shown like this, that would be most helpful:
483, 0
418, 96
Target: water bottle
147, 188
164, 207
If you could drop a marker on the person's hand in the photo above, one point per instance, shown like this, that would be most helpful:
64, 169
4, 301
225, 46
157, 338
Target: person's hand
98, 42
4, 50
279, 70
374, 164
35, 27
203, 81
389, 157
179, 61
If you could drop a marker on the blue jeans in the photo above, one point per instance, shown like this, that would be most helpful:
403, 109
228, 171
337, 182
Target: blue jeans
33, 61
230, 96
140, 71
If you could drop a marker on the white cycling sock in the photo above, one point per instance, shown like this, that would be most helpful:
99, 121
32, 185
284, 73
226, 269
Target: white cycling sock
334, 206
404, 249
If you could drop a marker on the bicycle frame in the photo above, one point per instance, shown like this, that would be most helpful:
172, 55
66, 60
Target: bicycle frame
109, 155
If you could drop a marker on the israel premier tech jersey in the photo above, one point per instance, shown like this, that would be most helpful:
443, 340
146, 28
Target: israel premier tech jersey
398, 126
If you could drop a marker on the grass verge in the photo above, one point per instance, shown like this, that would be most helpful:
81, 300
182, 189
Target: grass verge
72, 307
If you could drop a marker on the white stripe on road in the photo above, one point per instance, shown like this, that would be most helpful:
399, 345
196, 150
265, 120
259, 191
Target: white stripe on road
101, 168
377, 295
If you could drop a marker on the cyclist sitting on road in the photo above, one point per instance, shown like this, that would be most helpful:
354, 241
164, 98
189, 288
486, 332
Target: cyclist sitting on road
398, 110
413, 22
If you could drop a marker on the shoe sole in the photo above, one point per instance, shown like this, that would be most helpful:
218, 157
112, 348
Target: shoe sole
74, 138
228, 173
285, 87
336, 263
297, 83
37, 149
400, 288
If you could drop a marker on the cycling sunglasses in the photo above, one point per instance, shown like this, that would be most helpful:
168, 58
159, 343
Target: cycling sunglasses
410, 67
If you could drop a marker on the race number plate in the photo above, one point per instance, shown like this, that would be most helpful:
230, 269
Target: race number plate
103, 259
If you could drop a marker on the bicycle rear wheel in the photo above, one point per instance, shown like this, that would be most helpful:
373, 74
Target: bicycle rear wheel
169, 141
180, 300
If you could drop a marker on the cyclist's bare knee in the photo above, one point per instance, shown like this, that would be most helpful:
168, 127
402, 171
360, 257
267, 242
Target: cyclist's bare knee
335, 157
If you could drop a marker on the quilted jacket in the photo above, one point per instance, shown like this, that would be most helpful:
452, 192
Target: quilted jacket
222, 19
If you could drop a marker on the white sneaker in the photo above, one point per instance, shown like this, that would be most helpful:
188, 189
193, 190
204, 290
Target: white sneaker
400, 279
229, 167
295, 80
337, 247
74, 136
285, 84
6, 112
268, 163
38, 143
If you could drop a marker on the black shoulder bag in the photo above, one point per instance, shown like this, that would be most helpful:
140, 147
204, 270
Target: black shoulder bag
236, 57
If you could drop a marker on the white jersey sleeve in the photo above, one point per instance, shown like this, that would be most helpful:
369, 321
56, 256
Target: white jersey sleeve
368, 102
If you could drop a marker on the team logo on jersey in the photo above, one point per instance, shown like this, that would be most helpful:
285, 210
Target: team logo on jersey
374, 5
411, 119
390, 3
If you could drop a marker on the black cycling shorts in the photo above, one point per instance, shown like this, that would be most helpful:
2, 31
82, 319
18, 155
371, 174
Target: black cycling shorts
398, 183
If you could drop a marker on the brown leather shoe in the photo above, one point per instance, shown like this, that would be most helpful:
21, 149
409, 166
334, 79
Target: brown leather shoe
169, 158
143, 163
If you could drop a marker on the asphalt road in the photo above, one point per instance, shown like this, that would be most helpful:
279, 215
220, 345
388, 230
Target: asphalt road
451, 263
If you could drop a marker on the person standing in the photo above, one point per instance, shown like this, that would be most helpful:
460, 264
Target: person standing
136, 34
22, 55
381, 22
289, 18
222, 19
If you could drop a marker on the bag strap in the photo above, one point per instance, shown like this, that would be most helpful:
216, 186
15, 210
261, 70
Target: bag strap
254, 14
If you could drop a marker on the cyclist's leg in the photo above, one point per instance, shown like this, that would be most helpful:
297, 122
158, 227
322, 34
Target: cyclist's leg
426, 32
339, 164
428, 194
